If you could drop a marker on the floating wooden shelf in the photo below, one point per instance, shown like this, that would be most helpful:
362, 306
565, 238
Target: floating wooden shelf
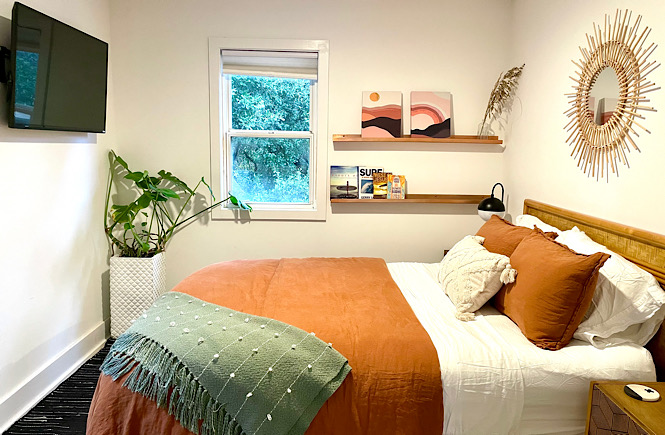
418, 198
451, 139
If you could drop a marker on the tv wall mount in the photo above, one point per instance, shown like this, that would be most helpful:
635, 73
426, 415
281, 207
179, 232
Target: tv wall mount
4, 64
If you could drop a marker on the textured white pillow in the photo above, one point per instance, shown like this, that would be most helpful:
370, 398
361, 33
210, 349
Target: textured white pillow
628, 304
529, 221
470, 275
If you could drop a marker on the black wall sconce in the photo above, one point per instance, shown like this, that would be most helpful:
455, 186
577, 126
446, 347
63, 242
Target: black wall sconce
492, 205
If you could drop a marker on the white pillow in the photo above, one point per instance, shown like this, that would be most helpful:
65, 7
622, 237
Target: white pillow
628, 304
529, 221
470, 275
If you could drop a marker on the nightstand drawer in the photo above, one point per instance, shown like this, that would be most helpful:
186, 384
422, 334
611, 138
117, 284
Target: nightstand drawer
608, 419
612, 412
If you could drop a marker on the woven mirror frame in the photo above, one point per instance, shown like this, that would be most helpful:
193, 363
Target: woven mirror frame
621, 46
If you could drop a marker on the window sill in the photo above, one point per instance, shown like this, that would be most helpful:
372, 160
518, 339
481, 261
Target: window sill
237, 214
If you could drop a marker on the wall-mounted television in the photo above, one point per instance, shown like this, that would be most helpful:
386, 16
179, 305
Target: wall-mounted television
58, 75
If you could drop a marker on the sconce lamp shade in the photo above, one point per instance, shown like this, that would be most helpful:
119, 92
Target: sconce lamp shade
492, 205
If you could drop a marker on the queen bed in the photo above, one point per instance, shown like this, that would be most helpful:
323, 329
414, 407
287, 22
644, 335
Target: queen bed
415, 367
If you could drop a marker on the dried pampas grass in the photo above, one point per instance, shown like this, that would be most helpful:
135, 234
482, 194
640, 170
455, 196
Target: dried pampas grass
501, 99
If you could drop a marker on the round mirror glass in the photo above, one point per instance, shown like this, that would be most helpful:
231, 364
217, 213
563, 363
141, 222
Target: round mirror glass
604, 96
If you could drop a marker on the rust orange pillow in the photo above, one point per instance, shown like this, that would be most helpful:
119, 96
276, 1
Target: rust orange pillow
552, 291
502, 237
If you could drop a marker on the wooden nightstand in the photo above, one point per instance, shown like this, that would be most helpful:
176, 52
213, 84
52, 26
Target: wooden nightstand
611, 411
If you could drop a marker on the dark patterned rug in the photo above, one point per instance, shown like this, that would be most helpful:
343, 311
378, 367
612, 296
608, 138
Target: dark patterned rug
65, 410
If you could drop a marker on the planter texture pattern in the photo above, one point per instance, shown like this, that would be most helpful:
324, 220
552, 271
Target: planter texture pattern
135, 284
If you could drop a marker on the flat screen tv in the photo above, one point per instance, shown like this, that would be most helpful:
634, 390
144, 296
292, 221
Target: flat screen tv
58, 73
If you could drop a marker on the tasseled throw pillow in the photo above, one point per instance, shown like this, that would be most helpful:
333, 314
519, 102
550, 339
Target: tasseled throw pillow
470, 275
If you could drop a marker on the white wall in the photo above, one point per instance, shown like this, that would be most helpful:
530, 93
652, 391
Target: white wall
161, 84
52, 250
546, 37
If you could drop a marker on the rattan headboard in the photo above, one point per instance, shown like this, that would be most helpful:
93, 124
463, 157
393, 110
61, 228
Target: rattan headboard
644, 248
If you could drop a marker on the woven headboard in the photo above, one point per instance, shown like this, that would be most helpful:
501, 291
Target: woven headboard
644, 248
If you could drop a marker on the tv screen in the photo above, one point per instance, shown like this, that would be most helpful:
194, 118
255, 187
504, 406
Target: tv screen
59, 75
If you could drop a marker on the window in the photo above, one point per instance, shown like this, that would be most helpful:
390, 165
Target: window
268, 110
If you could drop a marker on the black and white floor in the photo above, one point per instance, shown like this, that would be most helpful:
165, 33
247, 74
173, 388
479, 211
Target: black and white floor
65, 410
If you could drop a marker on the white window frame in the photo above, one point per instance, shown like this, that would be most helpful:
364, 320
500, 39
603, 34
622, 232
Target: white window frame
219, 117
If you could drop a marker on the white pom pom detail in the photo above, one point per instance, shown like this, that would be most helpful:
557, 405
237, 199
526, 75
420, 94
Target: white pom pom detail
288, 390
276, 334
263, 326
270, 369
223, 328
255, 350
216, 309
249, 394
309, 366
186, 330
508, 275
465, 317
293, 346
201, 340
269, 417
215, 356
172, 324
209, 322
157, 319
196, 317
246, 319
232, 375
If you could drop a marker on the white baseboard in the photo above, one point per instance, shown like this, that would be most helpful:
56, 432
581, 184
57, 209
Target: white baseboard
52, 374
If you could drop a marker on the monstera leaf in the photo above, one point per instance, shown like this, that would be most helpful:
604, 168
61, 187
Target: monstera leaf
144, 226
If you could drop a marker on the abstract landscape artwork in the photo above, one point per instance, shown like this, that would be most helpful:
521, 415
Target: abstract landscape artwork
430, 114
382, 114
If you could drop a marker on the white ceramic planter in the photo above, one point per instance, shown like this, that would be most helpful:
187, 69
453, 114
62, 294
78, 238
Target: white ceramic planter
135, 284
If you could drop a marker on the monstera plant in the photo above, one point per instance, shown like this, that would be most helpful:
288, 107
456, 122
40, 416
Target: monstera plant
139, 231
143, 226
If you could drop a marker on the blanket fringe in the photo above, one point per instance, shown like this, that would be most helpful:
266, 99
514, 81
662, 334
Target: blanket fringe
157, 372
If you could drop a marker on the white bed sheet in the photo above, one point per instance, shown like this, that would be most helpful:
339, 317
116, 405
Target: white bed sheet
495, 380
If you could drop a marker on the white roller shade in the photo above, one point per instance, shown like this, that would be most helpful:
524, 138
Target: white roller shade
288, 64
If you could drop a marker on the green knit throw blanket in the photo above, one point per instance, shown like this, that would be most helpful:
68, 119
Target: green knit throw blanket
220, 371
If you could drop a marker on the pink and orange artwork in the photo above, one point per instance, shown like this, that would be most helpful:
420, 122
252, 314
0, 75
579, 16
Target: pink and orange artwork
607, 107
430, 114
381, 114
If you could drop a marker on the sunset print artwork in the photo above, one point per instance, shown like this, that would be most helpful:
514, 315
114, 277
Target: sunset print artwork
382, 114
430, 114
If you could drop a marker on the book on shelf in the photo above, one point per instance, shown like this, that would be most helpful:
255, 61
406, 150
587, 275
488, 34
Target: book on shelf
396, 187
366, 180
380, 180
344, 182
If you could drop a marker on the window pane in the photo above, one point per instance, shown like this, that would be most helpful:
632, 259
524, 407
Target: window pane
270, 169
270, 103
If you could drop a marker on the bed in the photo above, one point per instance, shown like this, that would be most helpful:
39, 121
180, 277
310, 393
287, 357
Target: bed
409, 353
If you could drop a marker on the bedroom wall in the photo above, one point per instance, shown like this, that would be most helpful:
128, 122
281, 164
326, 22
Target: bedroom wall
53, 251
546, 36
161, 83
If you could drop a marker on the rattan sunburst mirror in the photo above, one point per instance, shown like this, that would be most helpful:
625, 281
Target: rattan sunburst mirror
619, 44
